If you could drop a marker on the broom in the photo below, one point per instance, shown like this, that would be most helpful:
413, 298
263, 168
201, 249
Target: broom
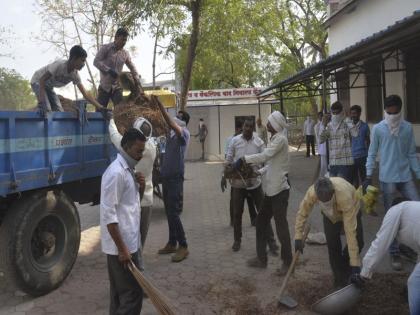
155, 296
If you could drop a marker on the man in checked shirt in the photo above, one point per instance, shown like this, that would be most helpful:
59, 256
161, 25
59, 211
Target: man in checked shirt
110, 61
338, 134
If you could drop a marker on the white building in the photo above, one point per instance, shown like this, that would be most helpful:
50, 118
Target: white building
220, 109
374, 52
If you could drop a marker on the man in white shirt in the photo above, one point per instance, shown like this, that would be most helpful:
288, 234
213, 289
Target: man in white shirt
120, 223
245, 143
144, 166
276, 189
309, 133
401, 222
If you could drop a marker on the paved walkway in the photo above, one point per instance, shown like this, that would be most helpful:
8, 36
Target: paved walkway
213, 280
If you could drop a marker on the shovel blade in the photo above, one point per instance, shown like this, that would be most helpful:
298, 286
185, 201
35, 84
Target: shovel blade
287, 301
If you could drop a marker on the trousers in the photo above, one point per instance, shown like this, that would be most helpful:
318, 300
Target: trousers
338, 257
274, 206
126, 294
239, 195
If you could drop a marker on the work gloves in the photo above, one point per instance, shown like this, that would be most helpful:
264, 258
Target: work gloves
238, 164
299, 246
356, 278
223, 184
112, 73
366, 183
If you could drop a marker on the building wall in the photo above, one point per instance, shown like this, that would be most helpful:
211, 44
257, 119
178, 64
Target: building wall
227, 127
370, 16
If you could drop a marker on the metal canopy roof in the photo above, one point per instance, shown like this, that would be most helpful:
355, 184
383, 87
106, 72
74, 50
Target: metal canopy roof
402, 34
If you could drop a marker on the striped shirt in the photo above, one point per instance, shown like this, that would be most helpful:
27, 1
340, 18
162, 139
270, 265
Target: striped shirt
339, 143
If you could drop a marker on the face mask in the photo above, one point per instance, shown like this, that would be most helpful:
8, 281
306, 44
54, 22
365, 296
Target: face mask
130, 161
201, 124
327, 207
393, 122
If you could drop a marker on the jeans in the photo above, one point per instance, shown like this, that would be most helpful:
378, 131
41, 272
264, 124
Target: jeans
238, 196
343, 171
359, 171
339, 257
172, 199
408, 190
413, 285
274, 206
310, 143
116, 95
52, 102
125, 293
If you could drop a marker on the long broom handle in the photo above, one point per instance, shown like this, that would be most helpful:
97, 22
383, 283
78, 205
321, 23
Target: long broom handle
294, 261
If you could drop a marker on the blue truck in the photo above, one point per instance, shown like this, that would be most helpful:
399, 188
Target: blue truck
46, 165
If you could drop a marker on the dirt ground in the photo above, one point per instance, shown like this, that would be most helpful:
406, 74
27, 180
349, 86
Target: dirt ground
239, 297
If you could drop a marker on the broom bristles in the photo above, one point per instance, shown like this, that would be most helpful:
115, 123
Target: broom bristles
157, 298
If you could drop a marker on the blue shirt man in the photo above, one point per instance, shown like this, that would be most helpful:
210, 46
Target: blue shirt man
393, 139
172, 174
360, 141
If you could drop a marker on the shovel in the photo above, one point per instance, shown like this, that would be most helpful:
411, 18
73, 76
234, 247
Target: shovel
284, 299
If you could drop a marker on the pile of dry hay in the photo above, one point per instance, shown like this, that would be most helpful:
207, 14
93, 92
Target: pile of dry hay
130, 108
245, 172
136, 105
67, 104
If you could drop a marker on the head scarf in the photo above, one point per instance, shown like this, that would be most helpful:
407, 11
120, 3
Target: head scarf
277, 121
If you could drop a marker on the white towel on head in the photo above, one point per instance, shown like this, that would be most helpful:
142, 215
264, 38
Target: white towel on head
277, 121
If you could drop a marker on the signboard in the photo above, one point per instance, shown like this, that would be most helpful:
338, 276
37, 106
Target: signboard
200, 95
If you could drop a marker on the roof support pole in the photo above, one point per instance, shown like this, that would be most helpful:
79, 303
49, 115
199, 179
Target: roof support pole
383, 81
259, 108
323, 96
281, 100
218, 119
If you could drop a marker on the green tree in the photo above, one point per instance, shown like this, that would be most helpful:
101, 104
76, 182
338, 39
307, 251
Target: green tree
15, 91
293, 32
225, 56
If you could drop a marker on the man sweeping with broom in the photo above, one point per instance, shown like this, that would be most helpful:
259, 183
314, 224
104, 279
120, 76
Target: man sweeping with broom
120, 220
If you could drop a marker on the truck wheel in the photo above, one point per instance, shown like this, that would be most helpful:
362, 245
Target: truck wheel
44, 243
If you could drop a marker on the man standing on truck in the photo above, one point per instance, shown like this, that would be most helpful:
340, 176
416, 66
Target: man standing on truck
59, 74
172, 174
110, 61
120, 219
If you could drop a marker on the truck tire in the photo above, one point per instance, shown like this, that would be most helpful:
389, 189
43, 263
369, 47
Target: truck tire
44, 239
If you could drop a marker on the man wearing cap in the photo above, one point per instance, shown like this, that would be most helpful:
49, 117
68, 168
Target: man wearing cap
144, 167
276, 189
340, 206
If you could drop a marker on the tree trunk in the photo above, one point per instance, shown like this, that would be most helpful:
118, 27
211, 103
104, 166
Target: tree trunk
186, 77
154, 55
